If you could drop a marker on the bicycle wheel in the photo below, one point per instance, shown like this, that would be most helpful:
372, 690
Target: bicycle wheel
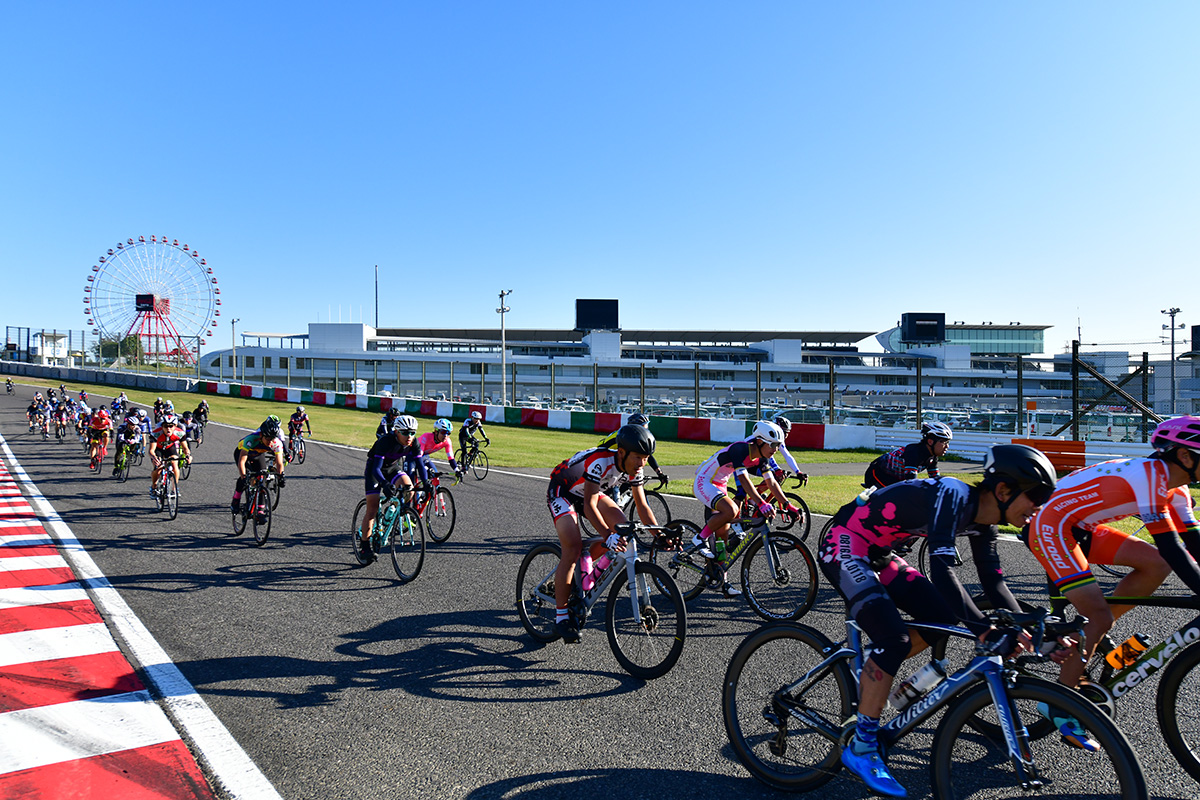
300, 451
185, 469
170, 493
687, 570
535, 591
122, 465
479, 465
791, 740
440, 515
779, 579
261, 517
966, 763
1178, 695
408, 545
273, 486
658, 507
364, 558
800, 525
647, 648
242, 514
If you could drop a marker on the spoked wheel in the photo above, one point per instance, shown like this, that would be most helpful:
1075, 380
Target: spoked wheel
440, 515
1178, 699
687, 570
780, 578
479, 465
261, 516
362, 554
535, 591
408, 545
170, 498
648, 647
273, 485
967, 763
300, 451
789, 751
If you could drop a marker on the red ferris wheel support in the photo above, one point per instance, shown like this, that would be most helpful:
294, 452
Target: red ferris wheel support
154, 327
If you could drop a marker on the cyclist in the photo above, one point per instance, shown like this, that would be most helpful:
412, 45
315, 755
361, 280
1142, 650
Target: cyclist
187, 422
83, 396
438, 439
906, 462
785, 425
99, 433
298, 420
1071, 532
119, 403
32, 412
262, 445
201, 412
61, 412
8, 385
857, 559
387, 422
711, 487
169, 442
579, 485
388, 463
158, 409
128, 439
466, 434
609, 442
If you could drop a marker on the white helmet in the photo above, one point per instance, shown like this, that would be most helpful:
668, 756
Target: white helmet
769, 432
476, 415
405, 423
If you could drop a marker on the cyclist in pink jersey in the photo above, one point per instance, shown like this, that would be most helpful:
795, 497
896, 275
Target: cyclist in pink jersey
1070, 531
438, 439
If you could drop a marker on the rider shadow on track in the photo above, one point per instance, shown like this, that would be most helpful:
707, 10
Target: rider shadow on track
472, 657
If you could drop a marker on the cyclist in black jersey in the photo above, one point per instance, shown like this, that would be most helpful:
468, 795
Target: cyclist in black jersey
472, 425
905, 463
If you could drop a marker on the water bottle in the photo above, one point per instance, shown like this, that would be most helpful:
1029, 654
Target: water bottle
719, 549
1129, 652
917, 686
587, 580
864, 495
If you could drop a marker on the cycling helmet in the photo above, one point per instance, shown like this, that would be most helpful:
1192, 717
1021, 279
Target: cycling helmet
636, 439
1178, 432
169, 420
1023, 467
444, 426
639, 419
141, 412
273, 418
769, 432
936, 430
187, 415
406, 424
299, 409
476, 415
168, 406
269, 429
158, 399
393, 412
784, 424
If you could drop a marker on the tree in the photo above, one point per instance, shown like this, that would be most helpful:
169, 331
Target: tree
130, 348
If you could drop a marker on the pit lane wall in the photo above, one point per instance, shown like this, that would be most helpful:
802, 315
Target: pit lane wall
108, 377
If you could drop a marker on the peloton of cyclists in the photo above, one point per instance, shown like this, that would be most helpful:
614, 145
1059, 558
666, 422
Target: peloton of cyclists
579, 485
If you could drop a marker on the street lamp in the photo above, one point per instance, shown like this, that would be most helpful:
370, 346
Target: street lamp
1171, 312
503, 380
233, 340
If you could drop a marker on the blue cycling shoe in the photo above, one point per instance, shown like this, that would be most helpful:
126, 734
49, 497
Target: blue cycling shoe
1069, 728
870, 769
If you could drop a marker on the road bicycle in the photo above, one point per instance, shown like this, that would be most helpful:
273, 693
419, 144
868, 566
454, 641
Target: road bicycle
295, 448
397, 527
45, 425
122, 461
60, 429
198, 433
778, 574
624, 499
646, 619
474, 459
255, 508
166, 489
185, 468
9, 388
790, 698
436, 508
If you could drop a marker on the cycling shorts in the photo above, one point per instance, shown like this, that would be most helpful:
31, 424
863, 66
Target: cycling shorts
1067, 554
391, 471
562, 502
708, 492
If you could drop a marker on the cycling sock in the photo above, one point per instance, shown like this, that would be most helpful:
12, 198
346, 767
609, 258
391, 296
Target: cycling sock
866, 733
237, 495
561, 615
705, 532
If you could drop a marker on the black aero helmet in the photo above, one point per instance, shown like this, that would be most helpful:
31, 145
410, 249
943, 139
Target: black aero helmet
636, 439
269, 429
639, 419
393, 412
1023, 467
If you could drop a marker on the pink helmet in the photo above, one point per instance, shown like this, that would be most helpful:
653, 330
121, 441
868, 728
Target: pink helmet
1177, 432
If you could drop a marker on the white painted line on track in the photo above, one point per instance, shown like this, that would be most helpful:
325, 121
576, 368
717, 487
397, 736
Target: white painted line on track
23, 647
228, 765
42, 595
35, 737
19, 563
17, 540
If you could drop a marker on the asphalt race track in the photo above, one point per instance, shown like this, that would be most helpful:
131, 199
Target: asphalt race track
341, 683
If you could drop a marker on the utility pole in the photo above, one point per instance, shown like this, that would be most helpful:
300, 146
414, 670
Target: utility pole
376, 297
1171, 312
233, 328
502, 310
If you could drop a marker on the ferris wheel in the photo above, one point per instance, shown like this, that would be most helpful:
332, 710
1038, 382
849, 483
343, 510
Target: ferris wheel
160, 291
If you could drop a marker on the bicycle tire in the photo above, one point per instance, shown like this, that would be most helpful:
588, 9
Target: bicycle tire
786, 753
689, 573
261, 530
362, 557
650, 648
170, 493
408, 545
122, 465
786, 592
800, 525
658, 507
439, 522
242, 514
1178, 722
479, 465
535, 592
185, 470
966, 763
300, 451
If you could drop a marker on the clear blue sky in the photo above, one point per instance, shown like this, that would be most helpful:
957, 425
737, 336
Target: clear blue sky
791, 166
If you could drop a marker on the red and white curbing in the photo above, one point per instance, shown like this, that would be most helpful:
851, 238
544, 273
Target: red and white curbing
73, 711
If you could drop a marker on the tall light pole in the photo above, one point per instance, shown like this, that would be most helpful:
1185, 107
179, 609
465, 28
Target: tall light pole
233, 340
503, 380
1171, 312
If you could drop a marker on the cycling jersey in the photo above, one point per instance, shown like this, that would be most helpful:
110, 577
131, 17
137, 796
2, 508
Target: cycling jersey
384, 460
712, 477
256, 445
296, 421
1070, 528
901, 464
169, 440
428, 445
597, 466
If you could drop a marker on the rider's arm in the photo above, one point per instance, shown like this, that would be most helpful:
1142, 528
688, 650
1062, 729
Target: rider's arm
947, 506
787, 459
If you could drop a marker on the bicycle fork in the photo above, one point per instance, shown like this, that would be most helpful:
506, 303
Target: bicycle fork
1016, 735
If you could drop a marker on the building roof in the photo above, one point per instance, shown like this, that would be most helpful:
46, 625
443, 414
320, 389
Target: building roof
628, 335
